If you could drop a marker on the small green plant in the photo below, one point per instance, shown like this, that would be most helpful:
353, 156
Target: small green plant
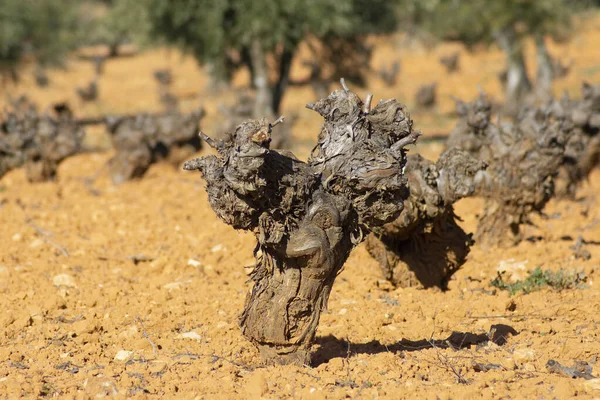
539, 279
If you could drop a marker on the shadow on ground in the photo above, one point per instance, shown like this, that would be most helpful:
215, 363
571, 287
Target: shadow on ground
331, 347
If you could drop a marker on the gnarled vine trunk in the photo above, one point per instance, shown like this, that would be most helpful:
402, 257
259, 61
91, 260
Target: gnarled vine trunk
582, 152
425, 245
523, 161
40, 142
307, 217
144, 139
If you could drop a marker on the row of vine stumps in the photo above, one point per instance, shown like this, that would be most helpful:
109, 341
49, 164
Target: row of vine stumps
41, 141
360, 184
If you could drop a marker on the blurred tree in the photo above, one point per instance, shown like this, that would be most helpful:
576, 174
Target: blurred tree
507, 23
44, 30
264, 35
113, 23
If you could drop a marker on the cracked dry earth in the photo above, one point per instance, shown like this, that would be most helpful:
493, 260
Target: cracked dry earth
130, 291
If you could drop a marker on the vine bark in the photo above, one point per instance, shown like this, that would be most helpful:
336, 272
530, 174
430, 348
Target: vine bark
307, 216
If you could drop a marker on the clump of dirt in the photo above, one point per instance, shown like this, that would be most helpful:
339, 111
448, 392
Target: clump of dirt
40, 142
144, 139
307, 217
523, 160
425, 245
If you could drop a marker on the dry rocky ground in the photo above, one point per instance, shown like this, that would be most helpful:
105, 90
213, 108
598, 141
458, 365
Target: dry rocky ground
134, 290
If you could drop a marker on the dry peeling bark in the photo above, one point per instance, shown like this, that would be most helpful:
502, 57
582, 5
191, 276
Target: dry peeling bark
243, 110
307, 216
425, 245
39, 142
523, 161
144, 139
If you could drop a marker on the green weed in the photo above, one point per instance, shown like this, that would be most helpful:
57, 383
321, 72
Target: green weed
539, 279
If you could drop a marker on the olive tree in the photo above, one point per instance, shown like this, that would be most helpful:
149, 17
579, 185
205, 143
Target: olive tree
264, 35
44, 30
506, 23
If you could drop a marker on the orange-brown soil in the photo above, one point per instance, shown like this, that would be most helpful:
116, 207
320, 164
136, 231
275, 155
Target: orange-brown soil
134, 290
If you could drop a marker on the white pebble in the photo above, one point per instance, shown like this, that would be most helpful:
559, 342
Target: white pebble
191, 335
193, 262
123, 355
63, 280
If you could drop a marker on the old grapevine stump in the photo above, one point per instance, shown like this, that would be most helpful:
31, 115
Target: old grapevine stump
582, 151
307, 217
144, 139
425, 245
523, 160
40, 142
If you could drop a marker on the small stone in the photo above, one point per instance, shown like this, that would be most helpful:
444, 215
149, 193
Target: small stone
36, 243
514, 270
257, 385
82, 326
343, 311
193, 262
63, 280
191, 335
175, 285
17, 237
346, 302
123, 355
592, 385
130, 332
217, 248
511, 306
521, 355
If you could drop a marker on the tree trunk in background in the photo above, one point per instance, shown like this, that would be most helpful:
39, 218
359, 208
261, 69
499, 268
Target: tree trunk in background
246, 60
518, 85
285, 64
263, 106
217, 80
544, 74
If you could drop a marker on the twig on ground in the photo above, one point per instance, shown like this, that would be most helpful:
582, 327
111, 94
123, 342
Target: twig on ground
44, 234
145, 335
195, 356
445, 362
